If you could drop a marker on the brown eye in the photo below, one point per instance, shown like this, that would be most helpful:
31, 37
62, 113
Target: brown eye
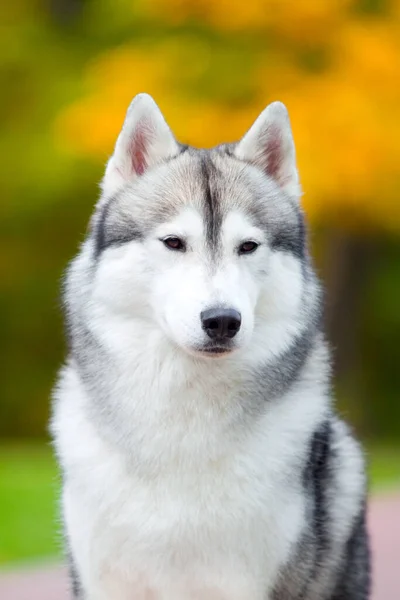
248, 247
174, 243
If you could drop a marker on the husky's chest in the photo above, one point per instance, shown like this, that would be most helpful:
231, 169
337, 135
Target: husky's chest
207, 535
191, 513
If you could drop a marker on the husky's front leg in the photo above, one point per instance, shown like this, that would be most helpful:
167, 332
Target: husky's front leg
79, 526
92, 579
76, 587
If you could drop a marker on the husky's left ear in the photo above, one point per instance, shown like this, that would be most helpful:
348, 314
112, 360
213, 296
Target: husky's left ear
145, 140
269, 145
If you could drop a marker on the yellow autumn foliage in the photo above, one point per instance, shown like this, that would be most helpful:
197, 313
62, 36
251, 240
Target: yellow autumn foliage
338, 72
305, 19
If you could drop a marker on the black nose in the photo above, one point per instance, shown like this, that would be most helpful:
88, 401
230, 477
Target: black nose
221, 323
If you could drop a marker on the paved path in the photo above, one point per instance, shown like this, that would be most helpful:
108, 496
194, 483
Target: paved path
384, 526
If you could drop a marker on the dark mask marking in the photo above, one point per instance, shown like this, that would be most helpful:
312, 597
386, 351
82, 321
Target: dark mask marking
110, 231
212, 206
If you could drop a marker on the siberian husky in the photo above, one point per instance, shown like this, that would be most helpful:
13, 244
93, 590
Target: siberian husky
200, 452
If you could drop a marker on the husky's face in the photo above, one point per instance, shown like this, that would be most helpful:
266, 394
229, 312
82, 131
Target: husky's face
200, 244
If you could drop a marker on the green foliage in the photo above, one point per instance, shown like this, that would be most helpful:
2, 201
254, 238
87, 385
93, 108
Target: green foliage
384, 467
28, 500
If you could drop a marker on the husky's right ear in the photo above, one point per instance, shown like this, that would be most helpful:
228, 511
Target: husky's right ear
145, 140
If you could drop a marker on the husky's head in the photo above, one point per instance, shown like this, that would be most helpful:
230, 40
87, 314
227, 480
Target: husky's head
208, 247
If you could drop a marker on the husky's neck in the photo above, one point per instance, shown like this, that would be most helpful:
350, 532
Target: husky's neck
139, 387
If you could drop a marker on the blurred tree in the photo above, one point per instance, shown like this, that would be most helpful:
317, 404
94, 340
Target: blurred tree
216, 64
69, 69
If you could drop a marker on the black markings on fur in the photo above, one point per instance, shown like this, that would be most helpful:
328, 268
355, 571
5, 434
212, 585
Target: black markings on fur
308, 557
291, 238
315, 557
74, 578
99, 232
212, 208
318, 480
279, 376
109, 232
228, 149
294, 577
182, 149
355, 577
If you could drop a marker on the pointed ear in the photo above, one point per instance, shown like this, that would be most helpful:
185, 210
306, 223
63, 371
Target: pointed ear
269, 145
145, 140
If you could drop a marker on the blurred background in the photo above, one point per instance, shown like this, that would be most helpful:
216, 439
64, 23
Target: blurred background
68, 70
